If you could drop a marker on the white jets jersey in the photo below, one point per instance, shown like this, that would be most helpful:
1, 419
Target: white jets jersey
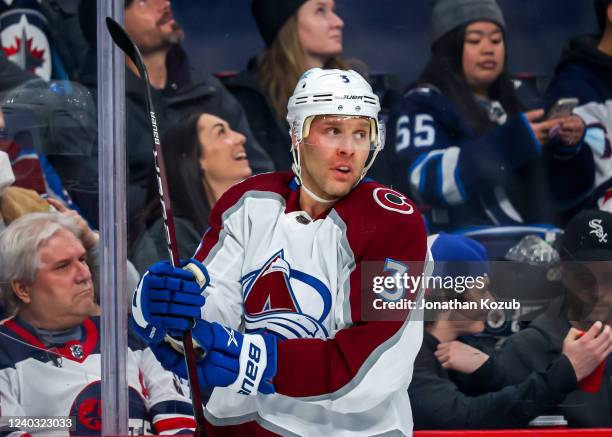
65, 381
598, 136
341, 370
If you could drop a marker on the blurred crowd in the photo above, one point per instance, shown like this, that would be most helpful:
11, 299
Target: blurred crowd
486, 170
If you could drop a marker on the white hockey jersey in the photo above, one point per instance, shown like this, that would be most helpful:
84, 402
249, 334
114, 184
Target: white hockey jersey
65, 381
342, 369
598, 136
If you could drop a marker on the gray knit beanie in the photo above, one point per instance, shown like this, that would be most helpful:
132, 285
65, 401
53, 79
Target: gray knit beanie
449, 14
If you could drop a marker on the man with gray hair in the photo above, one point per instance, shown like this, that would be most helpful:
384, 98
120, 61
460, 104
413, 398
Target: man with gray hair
31, 251
53, 336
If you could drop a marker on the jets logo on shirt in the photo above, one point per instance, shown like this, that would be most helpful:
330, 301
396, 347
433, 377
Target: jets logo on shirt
23, 36
286, 301
87, 409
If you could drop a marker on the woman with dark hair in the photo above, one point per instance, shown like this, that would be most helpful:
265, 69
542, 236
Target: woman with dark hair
299, 35
203, 157
460, 141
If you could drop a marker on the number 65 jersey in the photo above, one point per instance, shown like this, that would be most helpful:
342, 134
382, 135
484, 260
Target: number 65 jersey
343, 366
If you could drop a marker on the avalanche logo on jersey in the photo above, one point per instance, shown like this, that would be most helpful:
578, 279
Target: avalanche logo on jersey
285, 301
23, 35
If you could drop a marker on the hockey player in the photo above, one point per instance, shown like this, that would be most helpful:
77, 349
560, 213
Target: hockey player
281, 285
50, 350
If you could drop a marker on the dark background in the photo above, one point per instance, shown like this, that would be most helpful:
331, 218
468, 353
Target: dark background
391, 36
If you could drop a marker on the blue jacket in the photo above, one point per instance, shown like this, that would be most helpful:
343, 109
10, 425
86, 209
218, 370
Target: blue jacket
458, 177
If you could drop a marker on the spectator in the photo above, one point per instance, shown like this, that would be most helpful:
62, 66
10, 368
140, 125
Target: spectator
16, 202
462, 387
54, 339
299, 34
43, 38
17, 129
67, 38
204, 157
25, 37
46, 119
178, 91
587, 251
584, 71
458, 139
152, 27
90, 240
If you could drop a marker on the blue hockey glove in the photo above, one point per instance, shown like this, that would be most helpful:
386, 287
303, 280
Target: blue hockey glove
245, 363
172, 360
168, 298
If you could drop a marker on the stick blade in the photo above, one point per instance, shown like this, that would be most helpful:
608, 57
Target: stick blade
122, 39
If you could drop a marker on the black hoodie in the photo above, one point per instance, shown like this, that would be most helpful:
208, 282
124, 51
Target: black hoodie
584, 71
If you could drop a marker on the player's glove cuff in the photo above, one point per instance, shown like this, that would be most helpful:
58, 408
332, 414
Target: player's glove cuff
257, 365
245, 363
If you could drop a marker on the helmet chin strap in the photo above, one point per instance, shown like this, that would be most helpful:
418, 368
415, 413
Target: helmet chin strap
315, 197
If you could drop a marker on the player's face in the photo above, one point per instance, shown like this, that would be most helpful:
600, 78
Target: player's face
320, 29
483, 55
61, 295
333, 156
151, 24
590, 287
223, 156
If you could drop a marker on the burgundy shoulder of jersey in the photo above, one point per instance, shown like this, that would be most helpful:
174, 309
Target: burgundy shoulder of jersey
276, 182
371, 201
379, 218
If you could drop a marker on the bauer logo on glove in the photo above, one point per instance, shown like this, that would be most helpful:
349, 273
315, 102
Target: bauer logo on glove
244, 363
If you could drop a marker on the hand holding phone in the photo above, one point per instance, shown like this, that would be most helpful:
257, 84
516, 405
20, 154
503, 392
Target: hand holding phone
562, 108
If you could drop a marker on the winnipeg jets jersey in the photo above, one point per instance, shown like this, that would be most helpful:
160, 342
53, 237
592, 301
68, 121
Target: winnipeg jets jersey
598, 136
461, 176
64, 380
341, 369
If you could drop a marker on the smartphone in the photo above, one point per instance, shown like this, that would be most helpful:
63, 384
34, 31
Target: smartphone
562, 108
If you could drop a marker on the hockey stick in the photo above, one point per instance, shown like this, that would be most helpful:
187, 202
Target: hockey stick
123, 41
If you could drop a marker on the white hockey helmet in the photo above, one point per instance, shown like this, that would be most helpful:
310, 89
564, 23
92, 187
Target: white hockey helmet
333, 92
